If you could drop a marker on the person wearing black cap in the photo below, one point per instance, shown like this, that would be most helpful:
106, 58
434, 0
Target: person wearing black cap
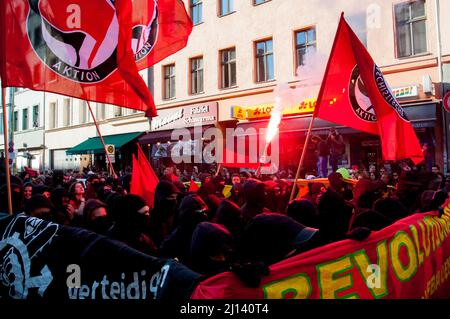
131, 224
192, 211
162, 217
270, 238
211, 249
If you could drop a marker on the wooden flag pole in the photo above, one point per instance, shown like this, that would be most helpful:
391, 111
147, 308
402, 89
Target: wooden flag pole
5, 140
302, 158
111, 168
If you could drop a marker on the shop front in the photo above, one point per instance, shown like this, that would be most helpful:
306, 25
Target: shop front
177, 133
361, 149
90, 153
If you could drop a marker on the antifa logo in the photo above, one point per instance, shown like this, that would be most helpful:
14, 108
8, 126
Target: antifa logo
387, 94
70, 39
22, 244
359, 98
145, 33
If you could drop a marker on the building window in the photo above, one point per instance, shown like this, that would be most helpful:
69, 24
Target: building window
100, 111
228, 67
264, 61
256, 2
67, 112
1, 123
53, 115
411, 30
305, 41
196, 11
117, 111
169, 82
196, 75
36, 116
16, 121
226, 7
83, 112
24, 119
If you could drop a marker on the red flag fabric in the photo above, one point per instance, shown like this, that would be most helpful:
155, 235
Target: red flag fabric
354, 93
144, 179
193, 187
84, 48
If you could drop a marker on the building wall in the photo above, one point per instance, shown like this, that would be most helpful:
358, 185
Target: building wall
279, 19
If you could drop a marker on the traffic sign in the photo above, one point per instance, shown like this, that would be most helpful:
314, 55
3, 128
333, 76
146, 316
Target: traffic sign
447, 102
111, 153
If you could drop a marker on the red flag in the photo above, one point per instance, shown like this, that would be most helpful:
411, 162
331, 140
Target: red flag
144, 179
354, 93
193, 187
83, 48
162, 32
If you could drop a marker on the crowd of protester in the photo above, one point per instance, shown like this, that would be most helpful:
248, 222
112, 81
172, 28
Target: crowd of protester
246, 230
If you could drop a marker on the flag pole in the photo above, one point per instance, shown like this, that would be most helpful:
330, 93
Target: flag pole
302, 158
5, 140
111, 168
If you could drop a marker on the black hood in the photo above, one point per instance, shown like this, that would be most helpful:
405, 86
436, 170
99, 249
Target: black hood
192, 211
229, 214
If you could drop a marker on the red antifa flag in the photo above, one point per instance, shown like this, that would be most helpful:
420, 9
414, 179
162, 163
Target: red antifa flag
143, 178
162, 32
84, 48
354, 93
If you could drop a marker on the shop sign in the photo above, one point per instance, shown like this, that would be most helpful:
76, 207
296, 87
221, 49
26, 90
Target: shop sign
186, 116
406, 91
262, 111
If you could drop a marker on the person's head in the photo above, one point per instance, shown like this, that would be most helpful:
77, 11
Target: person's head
132, 213
395, 176
27, 191
372, 168
16, 194
304, 212
236, 179
373, 176
435, 169
391, 208
76, 189
336, 182
211, 248
229, 214
166, 199
95, 216
382, 171
39, 206
372, 220
192, 211
270, 238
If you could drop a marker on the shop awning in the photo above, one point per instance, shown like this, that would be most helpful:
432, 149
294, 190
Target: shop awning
93, 145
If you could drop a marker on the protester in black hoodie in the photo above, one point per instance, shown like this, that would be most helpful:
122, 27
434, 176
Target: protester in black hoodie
303, 212
192, 211
163, 215
230, 215
334, 216
211, 249
95, 217
131, 224
255, 196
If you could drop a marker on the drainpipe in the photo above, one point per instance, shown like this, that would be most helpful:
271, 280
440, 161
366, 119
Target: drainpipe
441, 80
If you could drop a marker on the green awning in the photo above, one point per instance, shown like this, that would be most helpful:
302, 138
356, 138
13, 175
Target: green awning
93, 145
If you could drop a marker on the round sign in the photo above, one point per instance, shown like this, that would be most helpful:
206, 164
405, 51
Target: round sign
447, 102
110, 149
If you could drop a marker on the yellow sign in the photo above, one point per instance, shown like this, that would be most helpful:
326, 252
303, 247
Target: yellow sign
265, 110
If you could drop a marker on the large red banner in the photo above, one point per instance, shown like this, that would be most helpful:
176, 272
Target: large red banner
409, 259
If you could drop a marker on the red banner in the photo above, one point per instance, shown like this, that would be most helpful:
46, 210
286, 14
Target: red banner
409, 259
